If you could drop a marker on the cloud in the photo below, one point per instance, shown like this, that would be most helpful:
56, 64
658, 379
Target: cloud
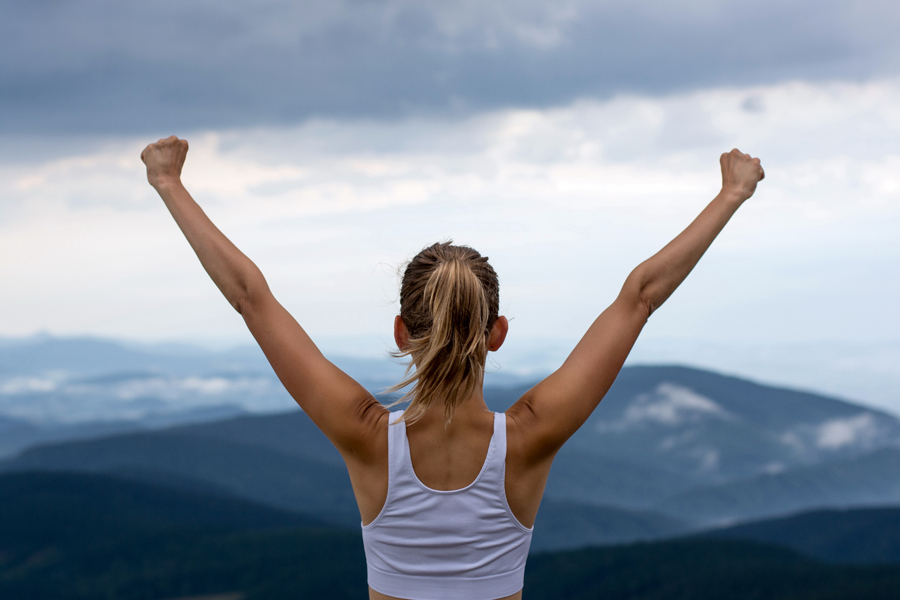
22, 385
857, 433
669, 405
102, 65
61, 398
565, 201
838, 433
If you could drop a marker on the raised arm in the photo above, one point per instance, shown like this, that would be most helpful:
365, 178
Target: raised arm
555, 408
341, 407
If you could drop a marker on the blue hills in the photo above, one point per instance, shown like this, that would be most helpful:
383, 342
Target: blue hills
41, 508
670, 449
848, 536
79, 536
164, 472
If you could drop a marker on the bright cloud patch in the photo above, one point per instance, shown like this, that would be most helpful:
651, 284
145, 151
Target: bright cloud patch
670, 405
25, 385
853, 434
852, 431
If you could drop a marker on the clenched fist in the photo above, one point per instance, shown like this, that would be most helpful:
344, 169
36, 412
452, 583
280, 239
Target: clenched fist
740, 174
164, 160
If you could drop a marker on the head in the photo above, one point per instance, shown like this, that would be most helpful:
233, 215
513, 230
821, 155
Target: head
449, 303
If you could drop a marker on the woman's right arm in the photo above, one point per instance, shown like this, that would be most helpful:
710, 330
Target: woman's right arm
337, 404
555, 408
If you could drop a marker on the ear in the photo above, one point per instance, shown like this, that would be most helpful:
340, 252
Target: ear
401, 335
498, 333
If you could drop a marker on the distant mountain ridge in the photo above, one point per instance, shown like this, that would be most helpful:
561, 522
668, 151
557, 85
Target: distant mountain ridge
671, 446
715, 428
642, 452
57, 381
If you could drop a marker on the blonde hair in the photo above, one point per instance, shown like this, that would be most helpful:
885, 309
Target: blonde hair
449, 301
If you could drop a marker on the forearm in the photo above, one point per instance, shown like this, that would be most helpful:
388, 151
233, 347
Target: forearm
233, 273
662, 273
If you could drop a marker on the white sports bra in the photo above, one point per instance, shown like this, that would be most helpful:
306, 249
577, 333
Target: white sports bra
460, 544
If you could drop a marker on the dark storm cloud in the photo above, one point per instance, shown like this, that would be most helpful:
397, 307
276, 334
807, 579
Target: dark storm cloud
112, 66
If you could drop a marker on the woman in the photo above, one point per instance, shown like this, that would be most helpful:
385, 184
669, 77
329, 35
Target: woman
448, 491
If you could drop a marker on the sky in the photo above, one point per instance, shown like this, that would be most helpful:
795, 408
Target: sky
568, 141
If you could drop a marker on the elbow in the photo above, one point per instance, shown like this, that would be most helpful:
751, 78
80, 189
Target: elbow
248, 292
239, 301
638, 291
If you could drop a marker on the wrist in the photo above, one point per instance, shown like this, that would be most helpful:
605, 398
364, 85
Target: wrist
163, 183
733, 195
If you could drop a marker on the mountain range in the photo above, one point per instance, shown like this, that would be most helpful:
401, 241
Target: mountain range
670, 450
81, 536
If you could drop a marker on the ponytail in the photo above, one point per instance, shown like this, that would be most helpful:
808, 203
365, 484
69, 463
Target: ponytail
449, 300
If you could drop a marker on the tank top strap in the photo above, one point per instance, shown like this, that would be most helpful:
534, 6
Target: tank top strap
398, 447
495, 466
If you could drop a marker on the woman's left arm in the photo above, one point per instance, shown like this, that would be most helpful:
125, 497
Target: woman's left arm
337, 404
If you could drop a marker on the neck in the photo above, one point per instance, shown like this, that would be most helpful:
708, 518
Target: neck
469, 410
